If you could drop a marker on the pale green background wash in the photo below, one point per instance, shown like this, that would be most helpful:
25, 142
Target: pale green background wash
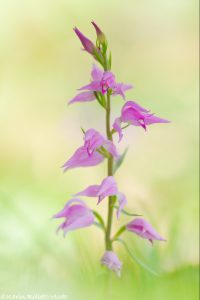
154, 45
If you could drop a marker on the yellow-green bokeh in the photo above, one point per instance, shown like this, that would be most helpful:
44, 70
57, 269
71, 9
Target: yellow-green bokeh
154, 46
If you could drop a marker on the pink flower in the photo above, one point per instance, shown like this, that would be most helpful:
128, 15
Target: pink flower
107, 187
87, 155
134, 114
101, 82
142, 228
76, 216
94, 140
112, 262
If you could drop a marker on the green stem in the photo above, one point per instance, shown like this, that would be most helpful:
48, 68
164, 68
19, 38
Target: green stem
111, 199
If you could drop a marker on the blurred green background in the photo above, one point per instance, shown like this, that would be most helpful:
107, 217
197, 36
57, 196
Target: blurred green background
154, 46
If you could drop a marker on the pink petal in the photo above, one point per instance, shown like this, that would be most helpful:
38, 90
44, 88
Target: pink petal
142, 228
65, 211
134, 105
93, 140
153, 119
122, 202
121, 88
90, 191
83, 97
76, 216
108, 81
117, 127
108, 187
93, 86
97, 73
84, 221
81, 158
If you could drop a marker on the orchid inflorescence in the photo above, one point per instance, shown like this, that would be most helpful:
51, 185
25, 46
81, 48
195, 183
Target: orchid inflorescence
96, 148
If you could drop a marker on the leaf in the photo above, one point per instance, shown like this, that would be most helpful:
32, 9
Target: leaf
83, 131
98, 225
125, 212
136, 259
110, 61
100, 99
119, 232
98, 56
120, 161
100, 219
104, 48
103, 100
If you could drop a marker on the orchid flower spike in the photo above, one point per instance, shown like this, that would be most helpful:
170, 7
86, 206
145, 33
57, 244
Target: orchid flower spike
76, 216
142, 228
134, 114
112, 262
96, 147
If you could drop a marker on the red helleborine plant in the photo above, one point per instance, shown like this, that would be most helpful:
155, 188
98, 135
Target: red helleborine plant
96, 148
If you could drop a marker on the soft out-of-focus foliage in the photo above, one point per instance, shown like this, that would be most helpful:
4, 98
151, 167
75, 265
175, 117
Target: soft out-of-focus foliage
154, 47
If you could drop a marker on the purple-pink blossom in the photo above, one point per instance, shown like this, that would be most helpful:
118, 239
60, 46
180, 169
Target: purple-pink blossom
90, 153
94, 140
145, 230
112, 262
134, 114
76, 216
102, 81
108, 187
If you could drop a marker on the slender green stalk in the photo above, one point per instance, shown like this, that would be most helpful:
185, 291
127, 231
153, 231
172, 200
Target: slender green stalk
111, 199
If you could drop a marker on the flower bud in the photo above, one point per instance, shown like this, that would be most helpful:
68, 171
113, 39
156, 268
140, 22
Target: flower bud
87, 44
112, 262
100, 35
